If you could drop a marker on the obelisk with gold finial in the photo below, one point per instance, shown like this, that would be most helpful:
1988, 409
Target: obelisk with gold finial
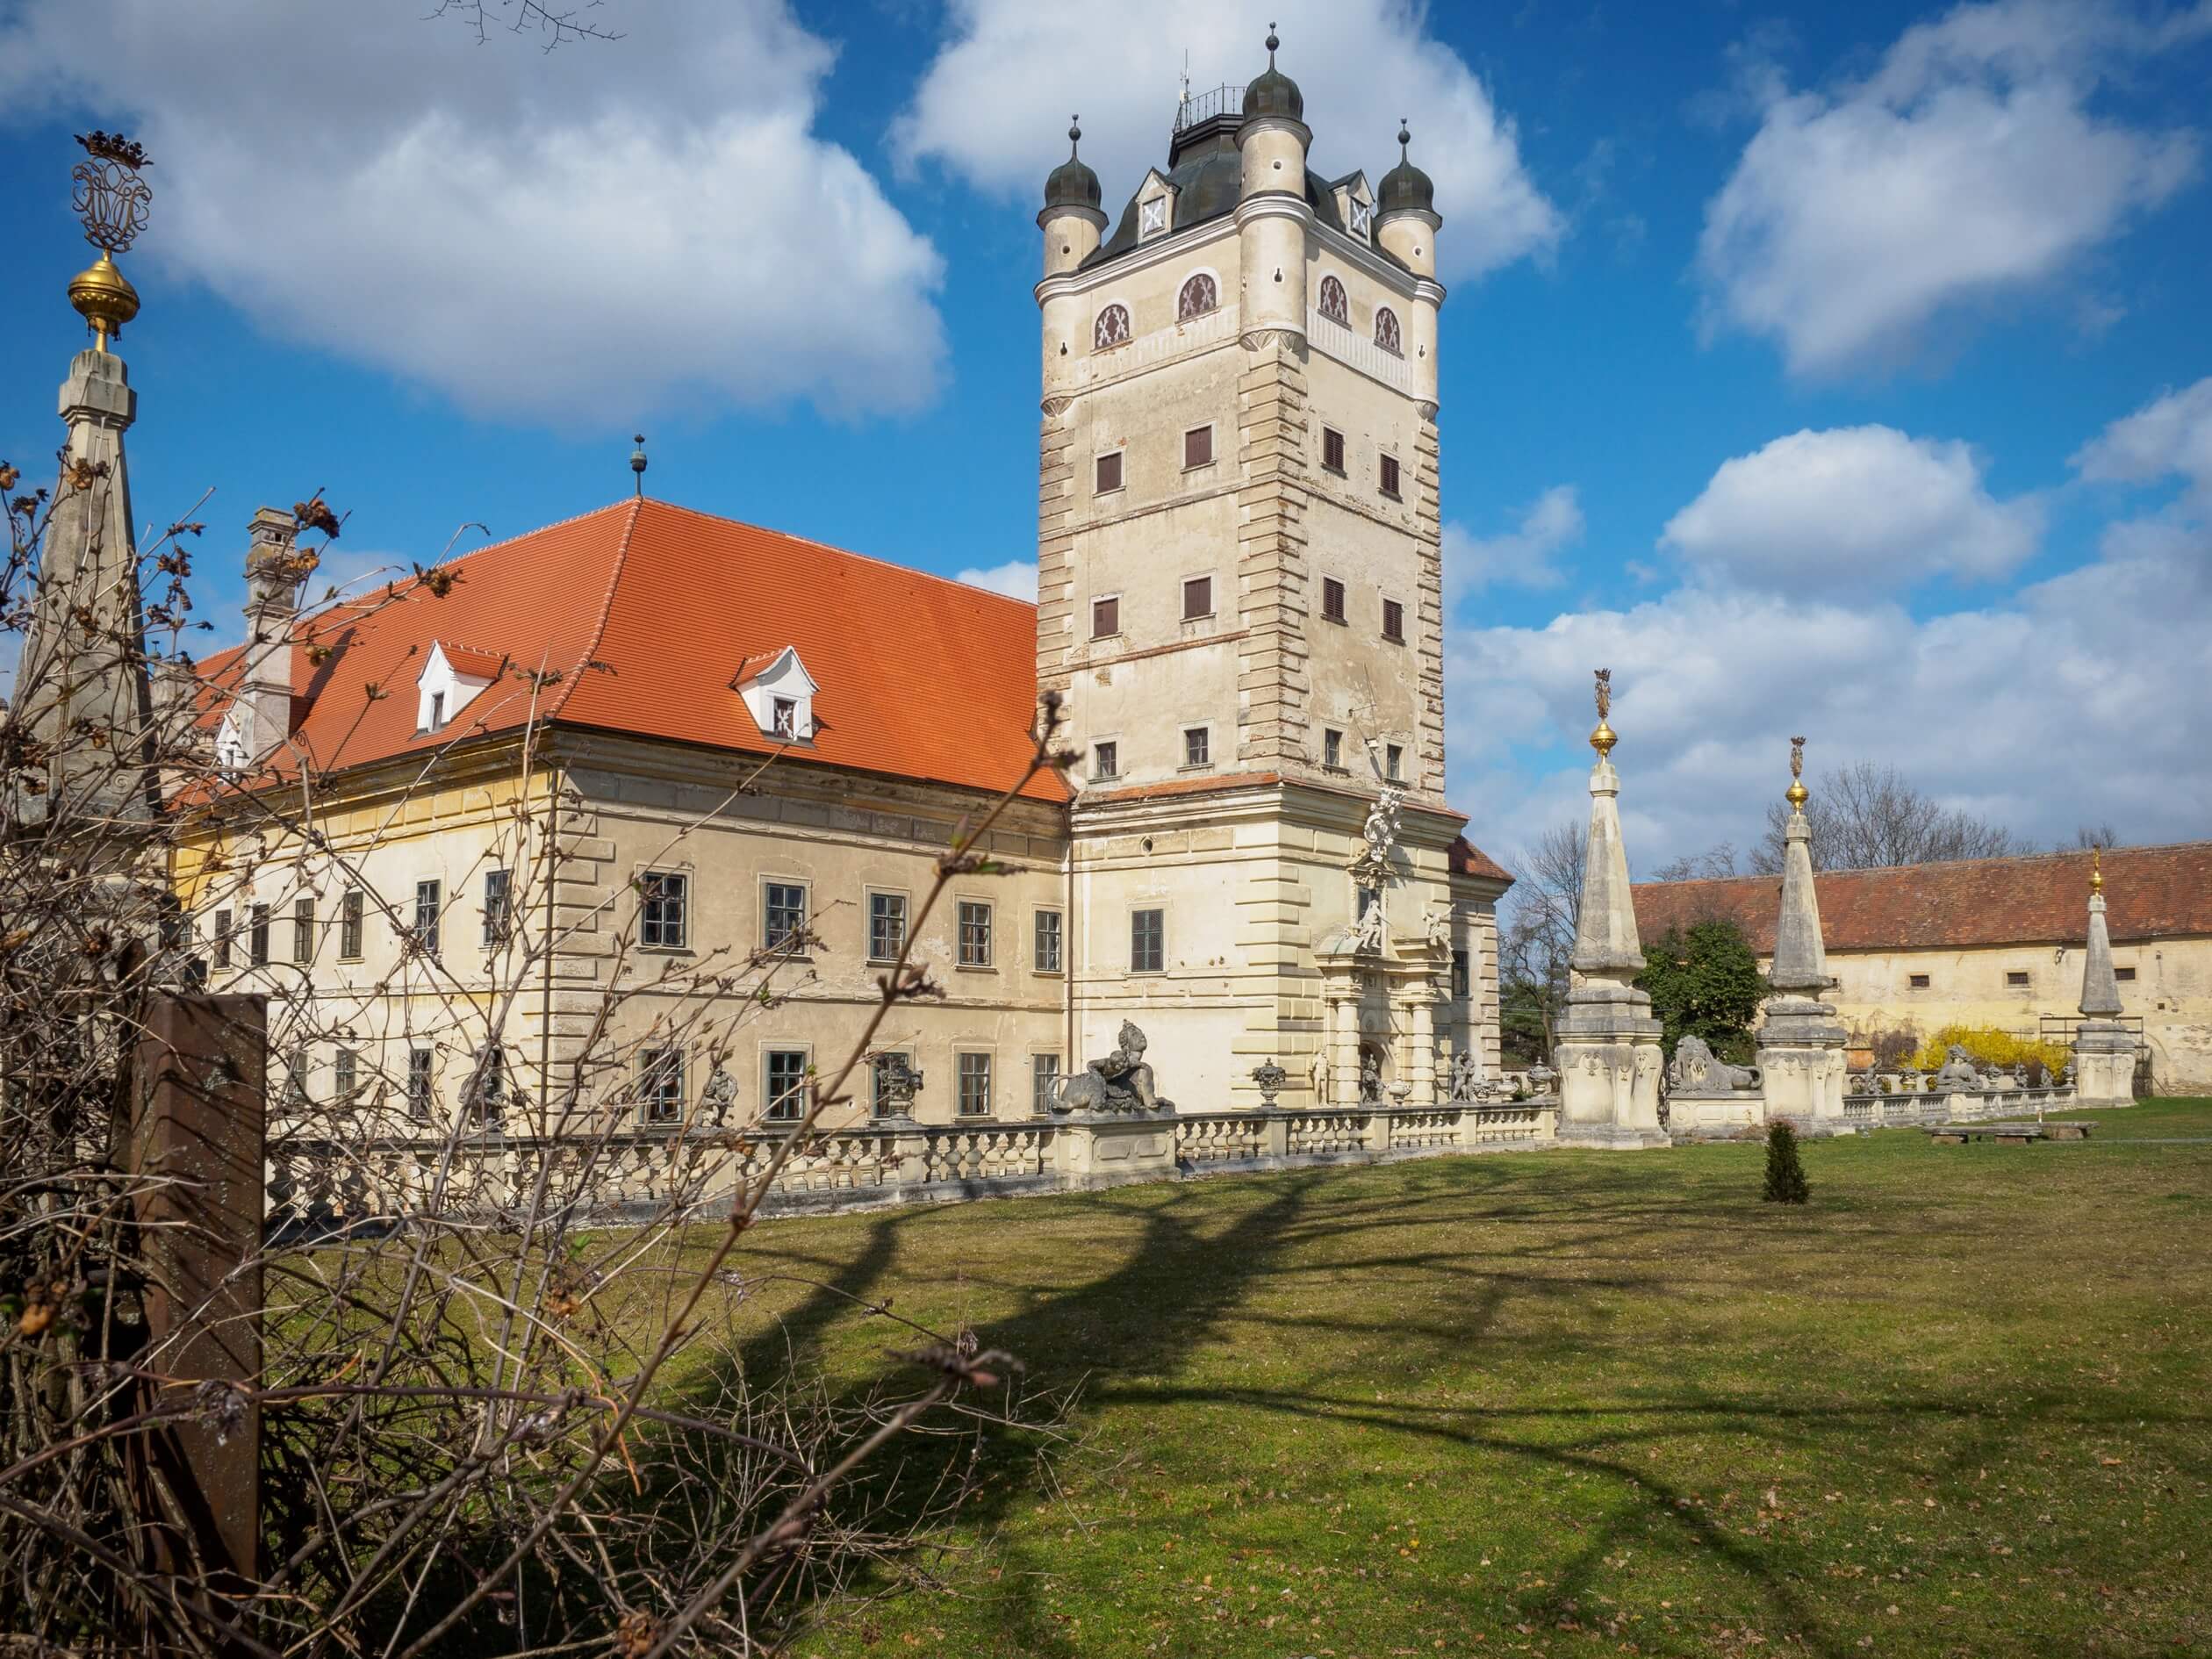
1801, 1060
2104, 1049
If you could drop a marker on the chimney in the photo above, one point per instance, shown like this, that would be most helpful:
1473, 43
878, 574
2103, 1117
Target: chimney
273, 575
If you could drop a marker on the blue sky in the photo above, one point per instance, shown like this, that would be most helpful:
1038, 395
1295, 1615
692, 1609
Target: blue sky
1841, 370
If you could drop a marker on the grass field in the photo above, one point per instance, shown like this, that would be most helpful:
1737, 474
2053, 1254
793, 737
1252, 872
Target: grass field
1570, 1403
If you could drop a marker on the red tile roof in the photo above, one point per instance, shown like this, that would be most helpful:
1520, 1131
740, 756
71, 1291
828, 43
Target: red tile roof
2150, 893
638, 617
1468, 859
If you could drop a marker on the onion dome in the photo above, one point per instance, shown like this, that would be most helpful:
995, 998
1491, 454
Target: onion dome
1405, 187
1072, 183
1273, 93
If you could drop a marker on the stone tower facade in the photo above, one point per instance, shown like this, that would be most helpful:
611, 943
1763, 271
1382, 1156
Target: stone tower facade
1240, 595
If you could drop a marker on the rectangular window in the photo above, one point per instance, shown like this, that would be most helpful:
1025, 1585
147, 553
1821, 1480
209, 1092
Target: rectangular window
350, 915
783, 908
785, 717
886, 926
1044, 1082
1148, 941
2124, 973
975, 1085
1332, 600
1109, 473
1198, 447
1391, 476
1919, 981
1333, 449
664, 912
1462, 976
2016, 979
1394, 621
975, 933
1197, 597
1197, 740
419, 1094
786, 1084
429, 900
660, 1085
1044, 954
1333, 749
257, 940
1105, 618
498, 914
882, 1100
222, 938
1394, 763
303, 929
1105, 760
345, 1076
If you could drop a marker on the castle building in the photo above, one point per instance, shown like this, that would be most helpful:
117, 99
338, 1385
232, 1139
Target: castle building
690, 741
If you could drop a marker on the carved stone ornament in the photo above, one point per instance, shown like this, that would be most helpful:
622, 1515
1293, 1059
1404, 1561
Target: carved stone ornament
1120, 1082
1958, 1071
1056, 406
1271, 1078
1697, 1070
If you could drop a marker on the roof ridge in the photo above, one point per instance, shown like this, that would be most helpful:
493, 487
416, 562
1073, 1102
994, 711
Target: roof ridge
606, 609
1933, 864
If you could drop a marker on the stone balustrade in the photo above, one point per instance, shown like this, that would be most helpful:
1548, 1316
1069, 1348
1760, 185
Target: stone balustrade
634, 1175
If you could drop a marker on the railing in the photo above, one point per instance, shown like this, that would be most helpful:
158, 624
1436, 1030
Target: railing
1203, 107
322, 1183
1355, 351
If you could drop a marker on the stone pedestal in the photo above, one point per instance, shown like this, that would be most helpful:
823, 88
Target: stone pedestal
2104, 1064
1691, 1114
1607, 1051
1109, 1149
1801, 1064
1421, 1073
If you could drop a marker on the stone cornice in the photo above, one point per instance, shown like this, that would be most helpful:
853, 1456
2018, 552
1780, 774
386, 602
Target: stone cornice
1175, 244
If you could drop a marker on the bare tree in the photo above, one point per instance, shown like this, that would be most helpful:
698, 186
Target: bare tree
1866, 816
1536, 933
1716, 863
2090, 836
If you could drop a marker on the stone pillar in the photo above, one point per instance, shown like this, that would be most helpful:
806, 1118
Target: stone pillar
1344, 1058
1801, 1060
1422, 1073
2104, 1050
1607, 1042
273, 572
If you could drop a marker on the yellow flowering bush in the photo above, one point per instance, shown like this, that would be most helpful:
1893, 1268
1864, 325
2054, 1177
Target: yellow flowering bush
1989, 1046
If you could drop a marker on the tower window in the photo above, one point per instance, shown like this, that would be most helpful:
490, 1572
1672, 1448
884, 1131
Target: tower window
1109, 475
1333, 449
1386, 332
1112, 329
1332, 600
1333, 749
1105, 618
1197, 744
1394, 621
1198, 297
1148, 941
1394, 762
1105, 760
1197, 597
1333, 305
1391, 476
1151, 217
1198, 447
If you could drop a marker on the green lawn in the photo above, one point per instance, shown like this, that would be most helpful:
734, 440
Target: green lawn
1572, 1403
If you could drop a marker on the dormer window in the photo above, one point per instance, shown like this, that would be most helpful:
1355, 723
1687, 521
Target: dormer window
779, 694
1361, 215
450, 680
1151, 217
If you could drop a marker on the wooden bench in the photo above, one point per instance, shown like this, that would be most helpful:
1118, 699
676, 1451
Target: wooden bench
2005, 1134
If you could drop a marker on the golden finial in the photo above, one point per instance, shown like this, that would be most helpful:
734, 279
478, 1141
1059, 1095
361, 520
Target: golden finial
111, 199
1798, 793
1603, 738
2096, 869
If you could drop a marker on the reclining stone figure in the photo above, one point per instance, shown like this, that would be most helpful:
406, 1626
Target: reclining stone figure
1697, 1070
1119, 1082
1958, 1072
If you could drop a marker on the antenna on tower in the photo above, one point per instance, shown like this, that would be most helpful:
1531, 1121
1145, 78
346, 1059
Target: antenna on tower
1186, 75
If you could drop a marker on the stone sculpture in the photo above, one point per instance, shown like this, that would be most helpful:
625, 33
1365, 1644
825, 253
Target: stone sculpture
721, 1093
1958, 1071
1371, 1081
1367, 940
1697, 1070
1439, 928
1467, 1082
1318, 1075
1119, 1082
1271, 1078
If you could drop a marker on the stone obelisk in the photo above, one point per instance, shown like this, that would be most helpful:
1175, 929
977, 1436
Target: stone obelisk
1801, 1061
1606, 1043
2104, 1050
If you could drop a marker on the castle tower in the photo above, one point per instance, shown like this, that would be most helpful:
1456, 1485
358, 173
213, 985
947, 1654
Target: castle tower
1240, 595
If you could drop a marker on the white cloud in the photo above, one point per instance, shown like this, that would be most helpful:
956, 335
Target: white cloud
1017, 579
582, 236
1853, 509
992, 105
1969, 165
1521, 557
2172, 435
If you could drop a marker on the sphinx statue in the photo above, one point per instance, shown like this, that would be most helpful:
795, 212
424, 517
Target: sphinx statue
1120, 1082
1697, 1070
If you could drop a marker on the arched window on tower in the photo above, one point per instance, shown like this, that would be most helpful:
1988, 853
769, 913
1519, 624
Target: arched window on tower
1386, 332
1199, 296
1333, 305
1112, 329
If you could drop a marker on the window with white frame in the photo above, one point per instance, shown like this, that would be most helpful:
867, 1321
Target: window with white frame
303, 929
975, 1085
779, 694
1045, 1074
351, 911
420, 1095
660, 1084
499, 912
886, 926
257, 938
345, 1076
787, 1091
783, 910
975, 933
1045, 953
1197, 745
1148, 941
429, 902
663, 910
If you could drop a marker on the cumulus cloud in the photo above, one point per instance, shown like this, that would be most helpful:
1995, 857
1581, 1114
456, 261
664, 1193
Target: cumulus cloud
1017, 579
2170, 435
1970, 164
577, 236
992, 104
1521, 557
1853, 508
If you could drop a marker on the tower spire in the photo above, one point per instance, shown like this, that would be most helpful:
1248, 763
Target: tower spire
1800, 959
2100, 986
